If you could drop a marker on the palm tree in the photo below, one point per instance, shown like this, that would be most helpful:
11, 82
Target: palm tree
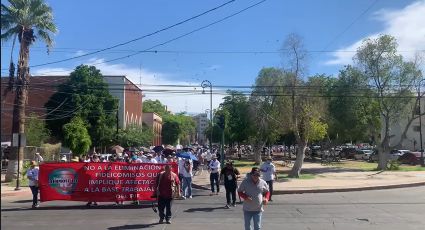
28, 20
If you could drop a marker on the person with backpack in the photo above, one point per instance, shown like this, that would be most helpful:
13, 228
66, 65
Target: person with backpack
230, 175
168, 187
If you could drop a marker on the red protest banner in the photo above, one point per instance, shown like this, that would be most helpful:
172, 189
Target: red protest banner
102, 182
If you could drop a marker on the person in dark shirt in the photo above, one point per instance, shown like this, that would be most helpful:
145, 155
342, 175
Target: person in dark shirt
230, 175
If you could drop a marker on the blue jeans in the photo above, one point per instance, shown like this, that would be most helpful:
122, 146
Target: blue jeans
34, 191
214, 180
187, 186
256, 216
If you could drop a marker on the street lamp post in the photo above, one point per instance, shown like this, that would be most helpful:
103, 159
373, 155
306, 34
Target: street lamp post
206, 113
420, 123
204, 84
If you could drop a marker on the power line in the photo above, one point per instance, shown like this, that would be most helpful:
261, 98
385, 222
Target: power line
181, 36
139, 38
350, 25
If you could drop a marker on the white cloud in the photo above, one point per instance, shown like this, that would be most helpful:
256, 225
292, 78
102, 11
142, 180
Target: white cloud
79, 53
407, 25
192, 102
51, 71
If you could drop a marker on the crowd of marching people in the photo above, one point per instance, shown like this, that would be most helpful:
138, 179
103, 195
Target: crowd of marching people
254, 191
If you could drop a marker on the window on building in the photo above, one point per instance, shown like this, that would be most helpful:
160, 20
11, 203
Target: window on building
416, 128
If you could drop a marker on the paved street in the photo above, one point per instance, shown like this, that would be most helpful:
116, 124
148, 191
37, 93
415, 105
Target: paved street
380, 209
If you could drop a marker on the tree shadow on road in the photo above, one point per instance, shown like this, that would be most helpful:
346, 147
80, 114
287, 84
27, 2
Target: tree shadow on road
203, 209
133, 226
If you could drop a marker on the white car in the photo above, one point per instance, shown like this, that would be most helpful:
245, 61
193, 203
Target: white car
362, 154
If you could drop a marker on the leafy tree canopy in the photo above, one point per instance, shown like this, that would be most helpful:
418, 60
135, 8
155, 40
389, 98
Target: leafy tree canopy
76, 136
85, 95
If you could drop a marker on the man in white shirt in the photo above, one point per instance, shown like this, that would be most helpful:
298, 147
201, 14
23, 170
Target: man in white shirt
32, 175
208, 156
161, 158
150, 159
269, 174
214, 168
187, 179
38, 158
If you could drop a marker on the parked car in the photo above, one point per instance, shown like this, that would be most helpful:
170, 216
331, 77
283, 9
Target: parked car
411, 158
373, 157
395, 154
362, 154
347, 153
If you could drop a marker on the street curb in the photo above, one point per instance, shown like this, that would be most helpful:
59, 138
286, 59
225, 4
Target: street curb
381, 187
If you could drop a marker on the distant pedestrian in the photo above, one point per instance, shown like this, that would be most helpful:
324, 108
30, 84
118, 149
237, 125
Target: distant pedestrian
32, 175
168, 187
150, 159
38, 158
187, 179
255, 193
95, 159
269, 174
230, 175
214, 168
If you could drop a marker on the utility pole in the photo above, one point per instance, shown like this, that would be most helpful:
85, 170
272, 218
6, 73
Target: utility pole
204, 84
420, 123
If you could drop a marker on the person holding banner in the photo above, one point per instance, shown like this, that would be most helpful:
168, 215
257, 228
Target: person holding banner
168, 187
32, 175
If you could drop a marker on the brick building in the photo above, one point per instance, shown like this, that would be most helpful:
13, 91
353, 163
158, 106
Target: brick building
154, 121
43, 87
40, 90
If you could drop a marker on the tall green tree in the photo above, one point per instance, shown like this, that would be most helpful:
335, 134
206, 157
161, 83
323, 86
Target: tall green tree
238, 125
393, 80
263, 110
28, 20
353, 108
303, 107
133, 136
170, 131
84, 95
36, 131
76, 136
151, 106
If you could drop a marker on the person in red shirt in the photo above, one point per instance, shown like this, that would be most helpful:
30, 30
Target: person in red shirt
168, 187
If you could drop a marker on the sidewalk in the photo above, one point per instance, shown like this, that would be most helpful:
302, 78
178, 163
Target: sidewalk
327, 180
338, 180
8, 191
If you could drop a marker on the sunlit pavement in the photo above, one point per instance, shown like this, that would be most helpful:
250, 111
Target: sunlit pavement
381, 209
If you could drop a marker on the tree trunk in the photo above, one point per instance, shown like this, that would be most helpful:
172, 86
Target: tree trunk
18, 123
384, 147
257, 152
296, 169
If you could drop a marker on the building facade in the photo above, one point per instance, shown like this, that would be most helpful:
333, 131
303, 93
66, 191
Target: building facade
412, 142
154, 121
130, 100
41, 88
201, 125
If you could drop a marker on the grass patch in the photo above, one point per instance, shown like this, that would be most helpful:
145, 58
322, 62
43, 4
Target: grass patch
305, 176
372, 166
243, 164
408, 168
362, 165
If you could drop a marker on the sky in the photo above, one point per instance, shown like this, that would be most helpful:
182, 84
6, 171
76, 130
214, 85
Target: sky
225, 47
